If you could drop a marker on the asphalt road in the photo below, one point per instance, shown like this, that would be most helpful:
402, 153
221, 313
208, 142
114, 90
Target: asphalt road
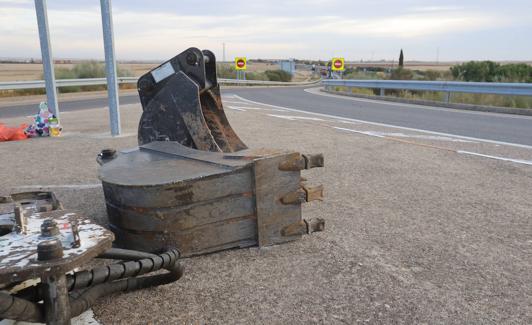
490, 126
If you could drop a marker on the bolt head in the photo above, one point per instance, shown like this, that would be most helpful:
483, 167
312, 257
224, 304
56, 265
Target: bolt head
49, 228
192, 58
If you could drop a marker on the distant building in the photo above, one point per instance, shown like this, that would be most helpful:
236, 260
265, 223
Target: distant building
288, 66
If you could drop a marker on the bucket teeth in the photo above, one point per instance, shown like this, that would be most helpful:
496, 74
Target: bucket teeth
304, 227
299, 162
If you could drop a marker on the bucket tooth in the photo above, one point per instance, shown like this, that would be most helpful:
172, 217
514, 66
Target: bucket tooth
304, 194
313, 160
313, 193
304, 227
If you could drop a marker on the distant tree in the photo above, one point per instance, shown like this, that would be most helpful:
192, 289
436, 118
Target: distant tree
492, 72
401, 59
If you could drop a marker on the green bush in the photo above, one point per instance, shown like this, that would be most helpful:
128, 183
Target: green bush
256, 76
489, 71
402, 74
226, 71
278, 75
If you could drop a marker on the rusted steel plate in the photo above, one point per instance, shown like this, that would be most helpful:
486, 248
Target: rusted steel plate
18, 251
234, 233
182, 217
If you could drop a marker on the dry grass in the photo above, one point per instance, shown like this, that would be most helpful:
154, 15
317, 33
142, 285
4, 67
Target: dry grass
33, 71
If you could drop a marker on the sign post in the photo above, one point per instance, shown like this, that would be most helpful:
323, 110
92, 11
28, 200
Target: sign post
240, 67
46, 53
110, 67
337, 64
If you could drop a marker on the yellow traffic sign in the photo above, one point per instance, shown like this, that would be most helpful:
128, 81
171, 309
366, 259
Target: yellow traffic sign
240, 63
337, 64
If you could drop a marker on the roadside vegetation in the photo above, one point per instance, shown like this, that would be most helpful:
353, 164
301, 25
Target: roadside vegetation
226, 71
88, 69
473, 71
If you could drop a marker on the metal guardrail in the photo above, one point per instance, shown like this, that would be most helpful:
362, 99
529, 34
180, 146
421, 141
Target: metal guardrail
33, 84
448, 87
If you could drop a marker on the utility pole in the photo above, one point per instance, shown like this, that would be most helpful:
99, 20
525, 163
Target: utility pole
223, 56
110, 67
46, 54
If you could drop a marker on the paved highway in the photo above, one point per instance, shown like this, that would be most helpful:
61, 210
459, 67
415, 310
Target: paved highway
490, 126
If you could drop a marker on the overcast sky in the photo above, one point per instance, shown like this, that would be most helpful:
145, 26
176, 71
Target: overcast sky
378, 29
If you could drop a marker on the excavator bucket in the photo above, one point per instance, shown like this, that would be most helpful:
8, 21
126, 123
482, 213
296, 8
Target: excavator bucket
181, 102
192, 184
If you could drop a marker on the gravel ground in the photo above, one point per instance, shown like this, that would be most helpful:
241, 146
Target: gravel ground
415, 234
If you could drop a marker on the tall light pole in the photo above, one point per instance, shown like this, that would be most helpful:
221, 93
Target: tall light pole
46, 54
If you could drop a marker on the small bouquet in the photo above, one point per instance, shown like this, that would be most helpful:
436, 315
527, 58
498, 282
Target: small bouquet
45, 123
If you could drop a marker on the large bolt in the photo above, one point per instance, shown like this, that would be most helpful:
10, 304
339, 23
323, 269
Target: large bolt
49, 250
192, 58
49, 228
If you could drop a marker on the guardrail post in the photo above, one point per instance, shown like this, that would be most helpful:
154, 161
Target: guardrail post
46, 54
447, 97
110, 67
381, 92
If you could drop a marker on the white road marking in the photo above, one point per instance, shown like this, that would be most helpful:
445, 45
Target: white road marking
293, 117
245, 107
370, 133
518, 161
391, 126
425, 137
384, 135
65, 186
347, 122
232, 101
316, 91
236, 109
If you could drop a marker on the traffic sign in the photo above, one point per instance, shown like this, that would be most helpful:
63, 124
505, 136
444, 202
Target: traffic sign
240, 63
337, 64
